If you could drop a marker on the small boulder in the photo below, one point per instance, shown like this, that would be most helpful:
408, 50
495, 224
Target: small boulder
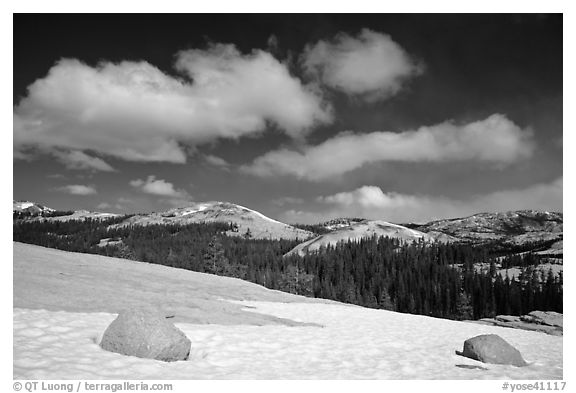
146, 334
491, 348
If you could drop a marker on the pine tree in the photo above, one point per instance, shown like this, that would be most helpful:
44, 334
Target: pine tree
215, 260
385, 301
464, 310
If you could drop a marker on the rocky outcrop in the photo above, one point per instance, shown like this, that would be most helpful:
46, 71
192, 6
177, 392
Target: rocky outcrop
549, 318
491, 348
146, 334
548, 322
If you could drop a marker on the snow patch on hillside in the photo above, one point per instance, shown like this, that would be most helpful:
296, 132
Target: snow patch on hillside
23, 205
199, 208
263, 216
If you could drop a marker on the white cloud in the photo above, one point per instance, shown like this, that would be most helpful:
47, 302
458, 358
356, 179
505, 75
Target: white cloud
216, 161
103, 205
78, 189
160, 187
495, 139
373, 203
370, 64
81, 161
133, 111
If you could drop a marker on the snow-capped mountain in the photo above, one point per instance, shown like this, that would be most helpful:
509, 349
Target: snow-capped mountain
31, 208
258, 225
514, 227
358, 230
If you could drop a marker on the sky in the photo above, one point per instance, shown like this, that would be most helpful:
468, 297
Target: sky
399, 117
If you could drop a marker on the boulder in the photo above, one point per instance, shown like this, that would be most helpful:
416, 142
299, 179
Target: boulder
491, 348
146, 334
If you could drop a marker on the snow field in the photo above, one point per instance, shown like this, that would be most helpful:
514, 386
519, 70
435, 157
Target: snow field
355, 343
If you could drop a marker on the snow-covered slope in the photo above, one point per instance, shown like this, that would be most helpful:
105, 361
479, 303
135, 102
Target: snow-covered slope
65, 301
46, 278
260, 226
356, 231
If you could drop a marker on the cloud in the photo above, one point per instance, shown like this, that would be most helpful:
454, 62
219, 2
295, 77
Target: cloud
81, 161
78, 189
373, 203
160, 187
21, 155
495, 139
216, 161
370, 64
133, 111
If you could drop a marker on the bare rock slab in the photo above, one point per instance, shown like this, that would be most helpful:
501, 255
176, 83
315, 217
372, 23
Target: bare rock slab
491, 348
548, 322
549, 318
146, 334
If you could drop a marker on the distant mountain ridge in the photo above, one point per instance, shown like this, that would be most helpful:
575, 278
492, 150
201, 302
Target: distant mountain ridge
37, 211
31, 208
513, 227
83, 215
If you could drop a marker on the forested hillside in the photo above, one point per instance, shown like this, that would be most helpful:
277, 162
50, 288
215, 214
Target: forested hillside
422, 278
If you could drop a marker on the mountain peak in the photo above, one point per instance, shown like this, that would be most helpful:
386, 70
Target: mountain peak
356, 230
245, 219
